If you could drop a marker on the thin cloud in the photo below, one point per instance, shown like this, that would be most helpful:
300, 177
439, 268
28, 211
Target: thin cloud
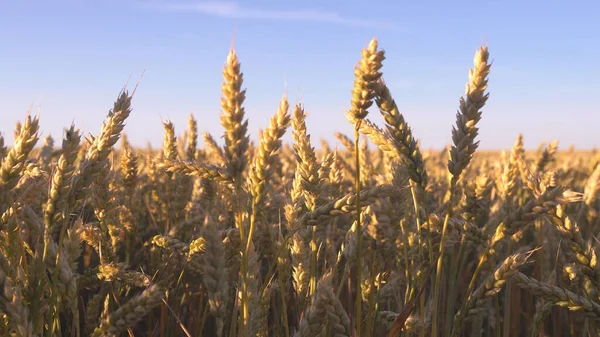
233, 10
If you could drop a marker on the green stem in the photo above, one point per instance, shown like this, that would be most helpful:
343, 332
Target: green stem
341, 285
507, 299
419, 237
438, 278
313, 262
482, 260
452, 293
371, 307
358, 303
204, 316
404, 237
286, 326
244, 265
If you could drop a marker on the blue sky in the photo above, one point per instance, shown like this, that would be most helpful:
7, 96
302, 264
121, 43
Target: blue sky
69, 59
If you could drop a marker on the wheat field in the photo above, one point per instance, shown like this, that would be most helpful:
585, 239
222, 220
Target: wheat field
377, 238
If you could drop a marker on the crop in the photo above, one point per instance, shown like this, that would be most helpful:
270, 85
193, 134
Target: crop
381, 238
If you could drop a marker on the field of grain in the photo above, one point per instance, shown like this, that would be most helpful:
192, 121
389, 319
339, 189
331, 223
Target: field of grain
380, 238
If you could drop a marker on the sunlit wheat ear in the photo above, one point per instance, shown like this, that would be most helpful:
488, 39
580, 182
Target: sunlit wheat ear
401, 135
99, 149
57, 204
233, 117
169, 148
325, 166
366, 75
308, 169
300, 261
270, 143
300, 255
261, 174
129, 169
336, 174
192, 138
510, 175
13, 163
469, 114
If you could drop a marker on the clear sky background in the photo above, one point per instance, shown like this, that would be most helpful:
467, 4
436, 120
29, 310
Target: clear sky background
71, 58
